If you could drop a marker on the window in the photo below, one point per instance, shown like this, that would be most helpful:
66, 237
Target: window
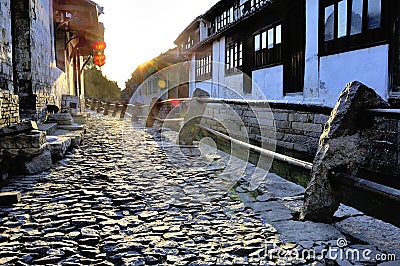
267, 46
203, 65
350, 24
233, 55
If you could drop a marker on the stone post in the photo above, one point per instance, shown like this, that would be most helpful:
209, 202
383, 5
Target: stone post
154, 110
106, 108
343, 146
123, 110
93, 104
99, 105
195, 112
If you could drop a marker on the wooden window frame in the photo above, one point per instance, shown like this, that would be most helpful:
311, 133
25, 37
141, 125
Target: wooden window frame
349, 42
203, 65
233, 57
268, 56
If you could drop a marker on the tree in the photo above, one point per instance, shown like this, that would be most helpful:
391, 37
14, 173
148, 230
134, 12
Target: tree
99, 86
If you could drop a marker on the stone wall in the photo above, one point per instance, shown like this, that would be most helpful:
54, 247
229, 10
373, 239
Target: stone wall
49, 83
37, 80
9, 111
6, 72
383, 160
298, 128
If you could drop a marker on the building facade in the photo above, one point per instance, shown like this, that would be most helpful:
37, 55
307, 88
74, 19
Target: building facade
296, 50
43, 46
163, 77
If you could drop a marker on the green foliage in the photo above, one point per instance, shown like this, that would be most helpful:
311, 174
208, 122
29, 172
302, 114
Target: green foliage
100, 87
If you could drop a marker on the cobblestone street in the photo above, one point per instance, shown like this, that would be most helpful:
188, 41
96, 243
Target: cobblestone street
96, 207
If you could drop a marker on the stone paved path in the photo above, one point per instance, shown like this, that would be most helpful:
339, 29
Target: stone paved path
100, 206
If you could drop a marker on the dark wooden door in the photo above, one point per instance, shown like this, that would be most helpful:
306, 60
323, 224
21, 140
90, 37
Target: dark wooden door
294, 48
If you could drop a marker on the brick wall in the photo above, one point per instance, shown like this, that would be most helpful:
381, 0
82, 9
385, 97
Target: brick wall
9, 111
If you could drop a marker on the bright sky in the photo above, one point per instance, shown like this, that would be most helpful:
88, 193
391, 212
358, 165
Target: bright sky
139, 30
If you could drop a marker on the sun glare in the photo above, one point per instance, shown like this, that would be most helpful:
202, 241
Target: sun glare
137, 31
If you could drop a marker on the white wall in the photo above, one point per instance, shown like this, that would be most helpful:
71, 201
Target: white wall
205, 85
269, 81
311, 52
369, 66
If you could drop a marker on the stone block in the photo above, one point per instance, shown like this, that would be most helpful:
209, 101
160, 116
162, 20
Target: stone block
18, 128
341, 147
307, 126
24, 152
60, 119
39, 163
49, 128
73, 127
281, 124
59, 147
283, 116
35, 139
320, 119
9, 198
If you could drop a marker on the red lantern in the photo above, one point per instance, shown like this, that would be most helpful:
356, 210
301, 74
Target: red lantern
99, 59
175, 102
99, 45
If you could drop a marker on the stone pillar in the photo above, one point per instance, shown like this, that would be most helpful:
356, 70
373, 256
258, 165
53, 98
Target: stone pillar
123, 110
154, 110
93, 105
343, 147
106, 108
99, 106
116, 109
22, 57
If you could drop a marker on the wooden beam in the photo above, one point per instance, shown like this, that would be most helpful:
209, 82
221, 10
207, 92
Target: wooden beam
374, 199
73, 8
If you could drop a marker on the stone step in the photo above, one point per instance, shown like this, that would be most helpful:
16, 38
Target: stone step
73, 127
58, 146
49, 128
15, 129
9, 198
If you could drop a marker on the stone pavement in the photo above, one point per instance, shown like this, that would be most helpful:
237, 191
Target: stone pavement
120, 199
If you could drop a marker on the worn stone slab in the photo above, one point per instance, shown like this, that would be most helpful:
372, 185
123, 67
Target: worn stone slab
383, 235
346, 211
59, 147
280, 187
296, 231
9, 198
73, 127
39, 163
77, 137
49, 128
60, 119
18, 128
33, 139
